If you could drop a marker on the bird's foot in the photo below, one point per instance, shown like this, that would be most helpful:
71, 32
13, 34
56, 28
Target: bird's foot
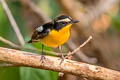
62, 59
42, 59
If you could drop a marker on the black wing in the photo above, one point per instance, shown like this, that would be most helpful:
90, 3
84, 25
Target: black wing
41, 32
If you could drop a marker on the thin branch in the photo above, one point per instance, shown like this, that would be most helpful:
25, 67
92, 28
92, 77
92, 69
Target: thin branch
77, 49
12, 22
9, 43
79, 53
80, 69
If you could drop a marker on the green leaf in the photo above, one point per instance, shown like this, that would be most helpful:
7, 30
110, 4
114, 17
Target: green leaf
11, 73
37, 74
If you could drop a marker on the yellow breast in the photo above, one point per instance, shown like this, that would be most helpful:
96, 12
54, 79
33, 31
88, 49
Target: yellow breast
57, 38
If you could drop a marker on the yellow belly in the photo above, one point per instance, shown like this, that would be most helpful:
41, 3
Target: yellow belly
57, 38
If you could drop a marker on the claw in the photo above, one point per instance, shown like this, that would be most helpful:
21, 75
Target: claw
42, 55
42, 58
62, 59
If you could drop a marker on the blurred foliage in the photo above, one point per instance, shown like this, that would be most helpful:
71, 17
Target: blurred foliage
116, 22
11, 73
37, 74
49, 7
5, 28
23, 73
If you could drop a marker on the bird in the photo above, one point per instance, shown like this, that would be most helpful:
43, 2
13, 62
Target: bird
54, 33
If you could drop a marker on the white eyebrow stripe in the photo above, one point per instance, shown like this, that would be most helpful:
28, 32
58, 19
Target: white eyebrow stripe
40, 29
66, 20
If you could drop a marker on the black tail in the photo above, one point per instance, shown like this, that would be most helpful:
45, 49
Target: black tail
30, 41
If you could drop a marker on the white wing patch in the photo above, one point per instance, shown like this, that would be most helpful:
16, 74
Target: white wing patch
40, 29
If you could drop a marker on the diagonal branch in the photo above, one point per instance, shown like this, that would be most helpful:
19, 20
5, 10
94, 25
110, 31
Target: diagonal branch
80, 69
79, 53
9, 43
81, 46
12, 22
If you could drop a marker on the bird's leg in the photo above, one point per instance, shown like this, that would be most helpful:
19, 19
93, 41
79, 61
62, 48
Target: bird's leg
62, 57
42, 55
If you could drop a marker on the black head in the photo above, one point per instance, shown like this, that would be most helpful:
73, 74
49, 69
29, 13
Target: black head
62, 21
65, 19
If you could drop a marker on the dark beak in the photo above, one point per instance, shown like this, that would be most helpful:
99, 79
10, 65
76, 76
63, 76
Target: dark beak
75, 21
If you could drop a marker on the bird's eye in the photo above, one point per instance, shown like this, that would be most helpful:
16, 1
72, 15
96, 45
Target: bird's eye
63, 22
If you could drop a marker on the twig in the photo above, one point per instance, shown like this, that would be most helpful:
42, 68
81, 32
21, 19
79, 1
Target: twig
80, 69
12, 22
71, 53
79, 53
9, 43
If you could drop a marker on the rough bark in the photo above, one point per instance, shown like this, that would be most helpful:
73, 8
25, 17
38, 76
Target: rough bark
83, 70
